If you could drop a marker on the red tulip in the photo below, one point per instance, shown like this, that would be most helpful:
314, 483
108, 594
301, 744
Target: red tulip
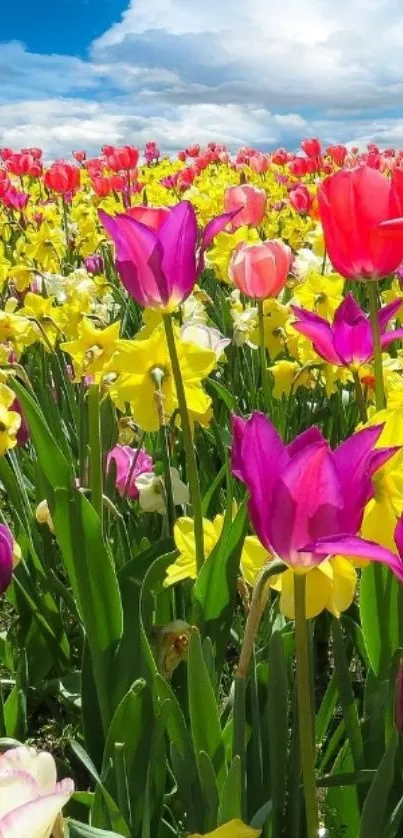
101, 186
123, 159
301, 199
260, 270
118, 183
354, 206
5, 153
193, 151
4, 183
298, 167
280, 157
312, 148
62, 178
80, 156
182, 155
338, 153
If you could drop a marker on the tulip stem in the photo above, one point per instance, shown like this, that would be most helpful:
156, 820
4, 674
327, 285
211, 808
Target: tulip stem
191, 464
304, 697
359, 396
263, 358
380, 399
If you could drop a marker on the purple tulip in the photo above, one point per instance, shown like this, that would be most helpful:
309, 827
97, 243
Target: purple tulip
94, 263
123, 456
6, 557
307, 501
348, 340
159, 267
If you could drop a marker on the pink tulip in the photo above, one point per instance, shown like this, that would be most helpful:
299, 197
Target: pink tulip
259, 163
30, 795
251, 203
260, 270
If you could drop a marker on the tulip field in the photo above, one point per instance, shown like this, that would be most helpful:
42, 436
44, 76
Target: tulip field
201, 493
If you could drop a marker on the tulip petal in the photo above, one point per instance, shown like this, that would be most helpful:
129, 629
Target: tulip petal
387, 313
353, 545
302, 440
388, 337
178, 238
351, 460
317, 330
37, 817
215, 226
138, 259
259, 456
306, 499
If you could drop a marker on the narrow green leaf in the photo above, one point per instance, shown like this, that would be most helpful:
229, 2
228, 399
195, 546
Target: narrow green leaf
375, 806
203, 709
231, 796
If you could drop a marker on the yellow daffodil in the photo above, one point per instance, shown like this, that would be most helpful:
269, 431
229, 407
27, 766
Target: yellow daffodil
253, 557
10, 420
321, 294
140, 364
276, 316
94, 347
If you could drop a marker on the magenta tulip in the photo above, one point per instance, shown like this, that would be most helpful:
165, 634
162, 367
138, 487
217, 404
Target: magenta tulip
348, 341
129, 464
307, 501
159, 264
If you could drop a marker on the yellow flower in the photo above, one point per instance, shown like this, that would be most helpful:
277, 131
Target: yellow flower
321, 294
43, 316
10, 420
330, 586
253, 557
46, 247
21, 275
232, 829
43, 516
93, 348
288, 376
275, 317
140, 361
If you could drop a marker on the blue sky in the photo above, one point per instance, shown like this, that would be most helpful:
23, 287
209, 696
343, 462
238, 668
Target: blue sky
180, 71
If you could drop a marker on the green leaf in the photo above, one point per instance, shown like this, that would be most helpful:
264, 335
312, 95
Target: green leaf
53, 462
210, 790
203, 710
82, 830
115, 817
381, 604
375, 806
216, 586
133, 726
94, 581
230, 802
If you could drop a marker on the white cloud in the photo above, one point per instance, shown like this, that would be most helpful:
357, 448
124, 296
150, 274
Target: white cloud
238, 71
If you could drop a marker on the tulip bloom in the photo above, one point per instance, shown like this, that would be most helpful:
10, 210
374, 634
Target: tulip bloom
129, 464
307, 501
260, 270
10, 555
348, 341
159, 262
249, 202
358, 208
31, 799
62, 178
